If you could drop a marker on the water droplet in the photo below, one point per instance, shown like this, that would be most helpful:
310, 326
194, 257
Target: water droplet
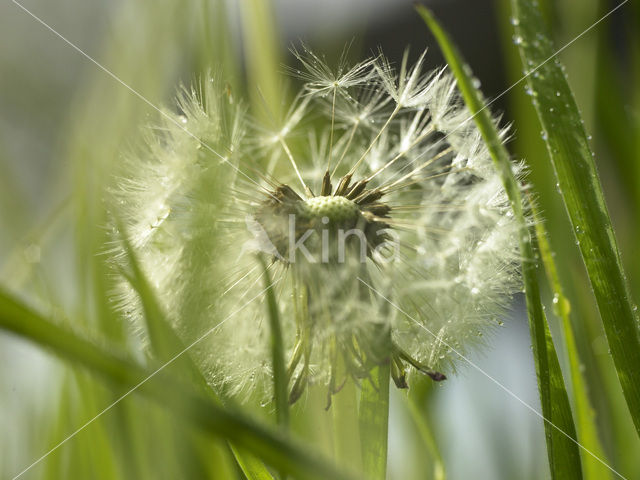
476, 82
517, 39
514, 21
544, 135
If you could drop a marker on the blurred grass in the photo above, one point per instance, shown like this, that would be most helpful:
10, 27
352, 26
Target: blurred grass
154, 45
160, 386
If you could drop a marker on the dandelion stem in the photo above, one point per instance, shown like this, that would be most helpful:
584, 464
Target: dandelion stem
280, 379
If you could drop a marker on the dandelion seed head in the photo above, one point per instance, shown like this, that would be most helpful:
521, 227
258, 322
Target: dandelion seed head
393, 190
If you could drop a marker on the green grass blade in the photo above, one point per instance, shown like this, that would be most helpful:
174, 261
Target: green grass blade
563, 453
374, 422
416, 402
164, 341
280, 378
588, 433
195, 454
579, 184
346, 429
262, 59
252, 467
201, 411
166, 344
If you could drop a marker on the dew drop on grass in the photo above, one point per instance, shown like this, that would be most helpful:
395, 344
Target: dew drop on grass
514, 21
517, 40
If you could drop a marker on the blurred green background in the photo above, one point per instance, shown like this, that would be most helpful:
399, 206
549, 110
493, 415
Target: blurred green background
64, 122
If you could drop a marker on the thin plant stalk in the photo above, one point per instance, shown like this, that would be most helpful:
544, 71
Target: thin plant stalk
562, 448
374, 421
346, 429
579, 184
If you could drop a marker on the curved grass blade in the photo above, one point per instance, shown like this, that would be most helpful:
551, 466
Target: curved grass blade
164, 389
164, 341
579, 184
166, 344
562, 449
587, 430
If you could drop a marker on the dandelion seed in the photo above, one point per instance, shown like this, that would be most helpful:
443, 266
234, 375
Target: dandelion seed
395, 190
